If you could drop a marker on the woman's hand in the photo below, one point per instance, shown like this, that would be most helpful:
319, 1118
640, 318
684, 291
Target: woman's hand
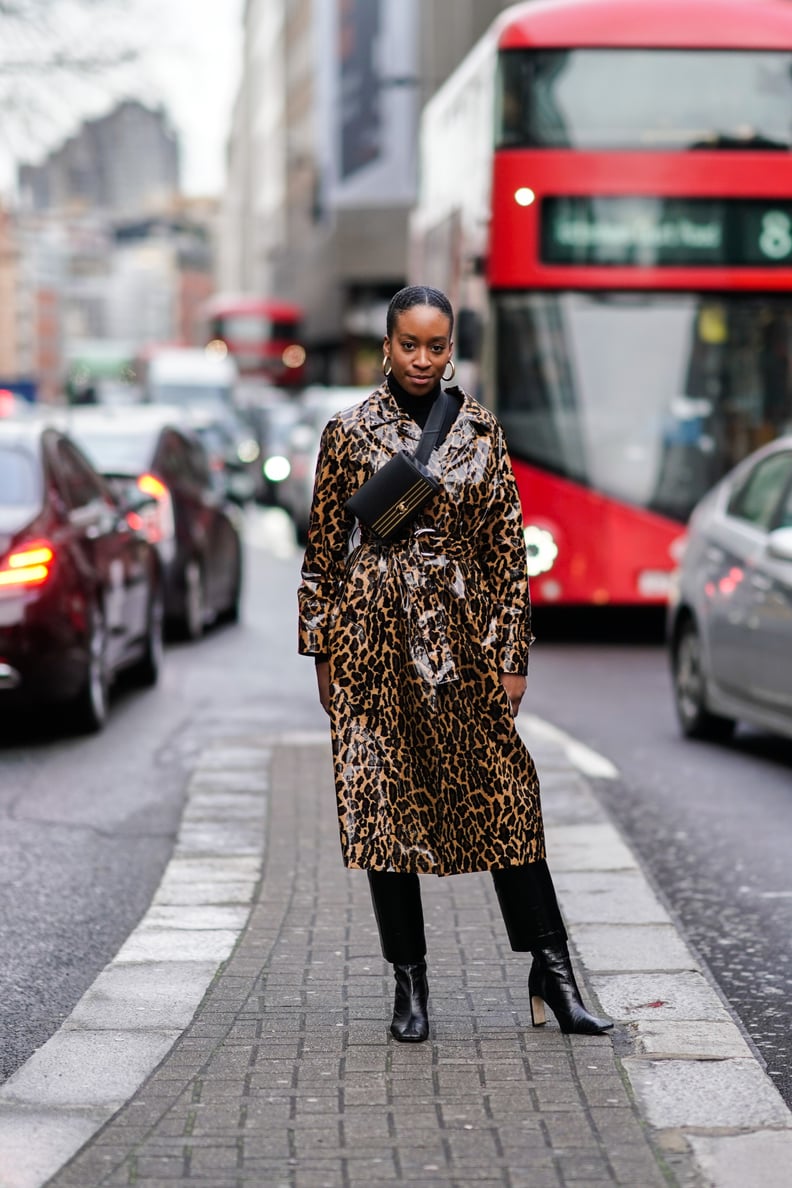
323, 681
514, 684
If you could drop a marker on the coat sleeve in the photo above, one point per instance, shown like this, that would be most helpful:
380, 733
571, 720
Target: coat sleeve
504, 565
326, 552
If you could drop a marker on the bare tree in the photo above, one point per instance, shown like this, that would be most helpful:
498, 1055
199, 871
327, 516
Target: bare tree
57, 57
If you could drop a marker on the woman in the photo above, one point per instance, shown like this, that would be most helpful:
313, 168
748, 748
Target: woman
421, 649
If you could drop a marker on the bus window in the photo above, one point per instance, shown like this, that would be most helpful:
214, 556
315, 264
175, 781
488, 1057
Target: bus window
647, 398
645, 99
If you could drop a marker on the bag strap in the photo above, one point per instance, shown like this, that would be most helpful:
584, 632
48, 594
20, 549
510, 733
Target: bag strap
433, 427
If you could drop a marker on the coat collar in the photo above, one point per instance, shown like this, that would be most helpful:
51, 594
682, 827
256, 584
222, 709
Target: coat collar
382, 408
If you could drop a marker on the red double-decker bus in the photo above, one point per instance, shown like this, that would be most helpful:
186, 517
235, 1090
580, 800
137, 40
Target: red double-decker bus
263, 336
608, 184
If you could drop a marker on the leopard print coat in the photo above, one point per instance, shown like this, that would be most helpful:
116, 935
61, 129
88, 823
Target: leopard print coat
431, 775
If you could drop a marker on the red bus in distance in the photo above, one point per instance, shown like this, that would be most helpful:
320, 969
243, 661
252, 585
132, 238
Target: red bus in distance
624, 238
263, 336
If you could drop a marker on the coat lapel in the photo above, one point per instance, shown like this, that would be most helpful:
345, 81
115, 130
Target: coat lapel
389, 428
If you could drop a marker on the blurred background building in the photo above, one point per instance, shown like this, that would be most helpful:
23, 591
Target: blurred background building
122, 163
101, 255
322, 159
105, 254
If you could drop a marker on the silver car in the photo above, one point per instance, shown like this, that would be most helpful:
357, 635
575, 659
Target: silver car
730, 618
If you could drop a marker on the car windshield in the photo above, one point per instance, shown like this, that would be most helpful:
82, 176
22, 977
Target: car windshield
645, 99
216, 438
119, 451
20, 480
187, 393
649, 398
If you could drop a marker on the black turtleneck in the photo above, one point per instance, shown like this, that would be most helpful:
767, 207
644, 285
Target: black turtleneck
416, 407
419, 407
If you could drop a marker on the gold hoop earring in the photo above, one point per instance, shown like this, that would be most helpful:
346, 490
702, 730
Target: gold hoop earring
387, 366
447, 378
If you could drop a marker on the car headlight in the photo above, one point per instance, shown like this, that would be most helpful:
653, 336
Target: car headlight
248, 450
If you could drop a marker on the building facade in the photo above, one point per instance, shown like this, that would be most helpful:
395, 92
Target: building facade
10, 361
122, 163
106, 249
254, 209
31, 330
323, 159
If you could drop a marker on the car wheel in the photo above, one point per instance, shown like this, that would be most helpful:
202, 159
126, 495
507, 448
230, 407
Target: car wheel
89, 709
147, 669
194, 619
230, 613
695, 720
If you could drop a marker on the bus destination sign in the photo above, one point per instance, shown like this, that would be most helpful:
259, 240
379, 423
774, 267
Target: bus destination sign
667, 232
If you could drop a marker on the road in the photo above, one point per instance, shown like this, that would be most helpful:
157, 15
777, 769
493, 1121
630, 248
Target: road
88, 824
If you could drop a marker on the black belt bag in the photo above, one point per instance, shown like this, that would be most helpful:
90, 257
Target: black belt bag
389, 501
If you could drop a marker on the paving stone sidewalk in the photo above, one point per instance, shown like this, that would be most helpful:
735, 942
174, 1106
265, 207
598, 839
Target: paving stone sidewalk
287, 1075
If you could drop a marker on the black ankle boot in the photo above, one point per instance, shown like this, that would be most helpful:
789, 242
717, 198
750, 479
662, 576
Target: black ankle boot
552, 981
410, 1023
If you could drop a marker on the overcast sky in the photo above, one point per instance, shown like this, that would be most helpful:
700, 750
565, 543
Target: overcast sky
190, 61
196, 68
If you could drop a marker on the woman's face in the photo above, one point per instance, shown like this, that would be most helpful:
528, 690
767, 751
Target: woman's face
419, 348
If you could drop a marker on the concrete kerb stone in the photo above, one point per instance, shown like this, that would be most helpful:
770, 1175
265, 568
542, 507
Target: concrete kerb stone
36, 1142
615, 948
735, 1161
141, 1003
689, 1065
695, 1095
158, 996
87, 1068
683, 1039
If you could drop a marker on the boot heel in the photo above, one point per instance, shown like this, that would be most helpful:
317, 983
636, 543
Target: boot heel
552, 975
538, 1017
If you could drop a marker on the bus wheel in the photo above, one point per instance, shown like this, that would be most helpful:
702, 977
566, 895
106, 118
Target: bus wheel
695, 720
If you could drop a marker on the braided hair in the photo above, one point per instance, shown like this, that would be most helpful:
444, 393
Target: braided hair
418, 295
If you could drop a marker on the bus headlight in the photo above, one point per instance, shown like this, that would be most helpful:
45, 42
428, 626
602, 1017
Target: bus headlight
293, 356
541, 549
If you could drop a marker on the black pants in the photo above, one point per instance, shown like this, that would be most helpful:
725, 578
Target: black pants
525, 893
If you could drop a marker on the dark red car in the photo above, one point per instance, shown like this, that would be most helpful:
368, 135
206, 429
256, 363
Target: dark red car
80, 588
194, 526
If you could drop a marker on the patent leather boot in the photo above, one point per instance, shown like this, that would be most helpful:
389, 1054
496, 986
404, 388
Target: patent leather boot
552, 981
410, 1024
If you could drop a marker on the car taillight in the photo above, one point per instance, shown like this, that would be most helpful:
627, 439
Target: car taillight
150, 485
156, 520
26, 567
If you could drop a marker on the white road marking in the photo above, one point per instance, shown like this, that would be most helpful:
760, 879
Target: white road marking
589, 762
